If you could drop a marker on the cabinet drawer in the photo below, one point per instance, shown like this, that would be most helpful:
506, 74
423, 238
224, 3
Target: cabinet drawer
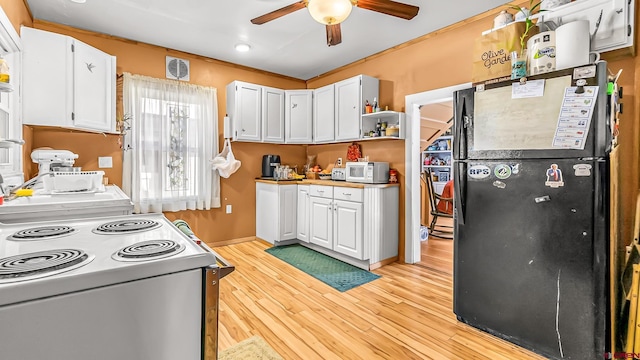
349, 194
321, 191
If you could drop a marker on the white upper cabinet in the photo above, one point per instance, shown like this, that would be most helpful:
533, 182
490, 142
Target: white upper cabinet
324, 114
244, 108
350, 97
272, 115
616, 24
67, 83
298, 116
10, 110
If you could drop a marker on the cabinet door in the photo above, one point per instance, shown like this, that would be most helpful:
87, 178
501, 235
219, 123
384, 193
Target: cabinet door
347, 109
321, 221
267, 212
272, 115
47, 78
348, 229
298, 116
248, 111
303, 213
324, 114
10, 125
93, 88
288, 205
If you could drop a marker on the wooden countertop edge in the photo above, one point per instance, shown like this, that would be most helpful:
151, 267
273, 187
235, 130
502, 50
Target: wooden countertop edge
326, 183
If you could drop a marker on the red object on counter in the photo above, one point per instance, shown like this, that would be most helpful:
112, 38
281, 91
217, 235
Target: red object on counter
353, 152
1, 200
393, 176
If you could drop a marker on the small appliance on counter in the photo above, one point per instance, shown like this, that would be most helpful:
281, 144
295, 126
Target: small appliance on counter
339, 174
368, 172
269, 163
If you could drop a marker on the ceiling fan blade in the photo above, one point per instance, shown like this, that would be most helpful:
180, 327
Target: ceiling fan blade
278, 13
334, 35
389, 7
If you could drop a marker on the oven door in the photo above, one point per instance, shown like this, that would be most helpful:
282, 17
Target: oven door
210, 303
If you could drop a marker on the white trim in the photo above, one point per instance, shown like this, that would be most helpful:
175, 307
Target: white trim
412, 164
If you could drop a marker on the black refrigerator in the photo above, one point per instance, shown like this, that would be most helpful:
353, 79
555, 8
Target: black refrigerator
531, 232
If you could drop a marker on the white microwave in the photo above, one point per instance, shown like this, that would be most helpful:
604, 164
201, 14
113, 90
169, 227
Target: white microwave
368, 172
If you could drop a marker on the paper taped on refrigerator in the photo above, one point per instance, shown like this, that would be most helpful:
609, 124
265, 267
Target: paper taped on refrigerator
503, 123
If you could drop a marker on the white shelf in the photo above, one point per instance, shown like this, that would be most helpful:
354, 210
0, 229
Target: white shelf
367, 138
5, 87
392, 118
436, 166
437, 151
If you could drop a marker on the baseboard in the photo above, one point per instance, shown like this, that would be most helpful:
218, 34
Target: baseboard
383, 263
233, 241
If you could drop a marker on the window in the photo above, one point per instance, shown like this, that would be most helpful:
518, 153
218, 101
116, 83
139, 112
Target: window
171, 136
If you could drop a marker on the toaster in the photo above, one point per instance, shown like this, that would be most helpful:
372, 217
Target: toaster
339, 174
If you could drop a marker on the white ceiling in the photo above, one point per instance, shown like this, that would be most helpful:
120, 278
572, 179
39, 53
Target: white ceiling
293, 45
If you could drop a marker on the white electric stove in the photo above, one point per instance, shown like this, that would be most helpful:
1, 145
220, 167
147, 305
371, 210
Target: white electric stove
130, 286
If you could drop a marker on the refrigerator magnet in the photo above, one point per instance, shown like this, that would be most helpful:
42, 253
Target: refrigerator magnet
502, 171
499, 184
554, 176
582, 169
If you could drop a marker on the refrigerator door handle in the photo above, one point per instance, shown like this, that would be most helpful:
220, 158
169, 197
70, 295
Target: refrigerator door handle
460, 185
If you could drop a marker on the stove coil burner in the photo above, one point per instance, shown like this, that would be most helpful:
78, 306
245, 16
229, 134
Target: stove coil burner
40, 264
42, 233
126, 226
148, 250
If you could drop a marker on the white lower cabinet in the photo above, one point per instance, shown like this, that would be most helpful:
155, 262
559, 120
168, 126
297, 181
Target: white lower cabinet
356, 225
321, 222
276, 212
347, 224
303, 213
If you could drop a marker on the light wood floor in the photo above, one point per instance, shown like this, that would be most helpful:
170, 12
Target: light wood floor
437, 253
406, 314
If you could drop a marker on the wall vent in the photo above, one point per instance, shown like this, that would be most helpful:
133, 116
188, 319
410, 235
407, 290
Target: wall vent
177, 69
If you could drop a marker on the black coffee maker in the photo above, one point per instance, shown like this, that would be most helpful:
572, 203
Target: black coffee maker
269, 163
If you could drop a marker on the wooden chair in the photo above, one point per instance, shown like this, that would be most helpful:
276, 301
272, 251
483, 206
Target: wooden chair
437, 230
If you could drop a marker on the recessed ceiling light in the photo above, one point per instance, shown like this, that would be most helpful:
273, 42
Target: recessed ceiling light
243, 47
79, 1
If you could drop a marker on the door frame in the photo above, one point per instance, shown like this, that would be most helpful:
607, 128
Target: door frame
413, 103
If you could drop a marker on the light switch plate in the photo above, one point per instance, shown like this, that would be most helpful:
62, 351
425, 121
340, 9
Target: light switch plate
228, 209
105, 162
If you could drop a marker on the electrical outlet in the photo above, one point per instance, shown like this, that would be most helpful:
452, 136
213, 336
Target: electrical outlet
339, 162
105, 162
228, 209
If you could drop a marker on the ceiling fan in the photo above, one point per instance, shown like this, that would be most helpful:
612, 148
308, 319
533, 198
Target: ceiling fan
333, 12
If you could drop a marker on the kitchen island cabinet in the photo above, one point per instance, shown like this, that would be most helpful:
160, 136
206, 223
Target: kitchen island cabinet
67, 83
355, 223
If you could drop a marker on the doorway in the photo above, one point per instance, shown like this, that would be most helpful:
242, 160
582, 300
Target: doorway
417, 129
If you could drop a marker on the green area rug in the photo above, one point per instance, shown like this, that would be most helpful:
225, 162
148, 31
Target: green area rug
335, 273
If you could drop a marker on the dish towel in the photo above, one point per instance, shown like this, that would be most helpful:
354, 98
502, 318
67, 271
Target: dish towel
184, 227
225, 162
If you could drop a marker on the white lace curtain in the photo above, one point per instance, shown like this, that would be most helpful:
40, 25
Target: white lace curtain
171, 136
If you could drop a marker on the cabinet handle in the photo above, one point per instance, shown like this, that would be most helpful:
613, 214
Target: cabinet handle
346, 194
321, 191
354, 106
293, 106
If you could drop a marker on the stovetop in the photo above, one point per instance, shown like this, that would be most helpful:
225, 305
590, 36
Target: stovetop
98, 250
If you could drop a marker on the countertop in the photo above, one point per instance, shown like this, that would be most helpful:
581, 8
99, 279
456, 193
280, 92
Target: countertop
325, 182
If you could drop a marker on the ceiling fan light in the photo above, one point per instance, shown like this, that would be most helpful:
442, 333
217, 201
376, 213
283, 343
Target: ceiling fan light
329, 12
